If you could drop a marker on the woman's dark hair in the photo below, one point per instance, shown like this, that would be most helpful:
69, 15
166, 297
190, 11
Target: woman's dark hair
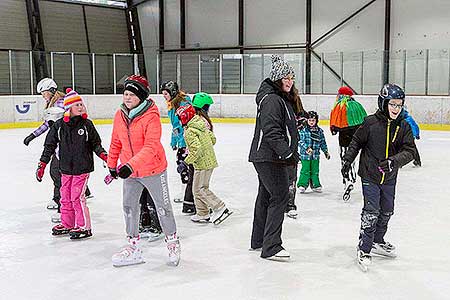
292, 97
203, 114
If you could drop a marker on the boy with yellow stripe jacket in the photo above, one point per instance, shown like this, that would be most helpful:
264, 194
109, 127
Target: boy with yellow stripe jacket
386, 144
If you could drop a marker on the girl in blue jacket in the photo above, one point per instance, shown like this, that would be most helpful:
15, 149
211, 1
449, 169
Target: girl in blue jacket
174, 99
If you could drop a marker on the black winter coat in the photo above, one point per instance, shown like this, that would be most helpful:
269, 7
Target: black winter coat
276, 136
77, 140
381, 139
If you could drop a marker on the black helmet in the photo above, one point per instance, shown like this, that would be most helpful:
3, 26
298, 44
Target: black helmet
388, 92
171, 87
313, 115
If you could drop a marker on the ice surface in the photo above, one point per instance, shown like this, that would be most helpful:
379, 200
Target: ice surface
216, 263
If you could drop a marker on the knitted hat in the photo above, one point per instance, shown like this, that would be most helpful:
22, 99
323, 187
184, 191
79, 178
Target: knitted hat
280, 69
345, 90
138, 85
70, 99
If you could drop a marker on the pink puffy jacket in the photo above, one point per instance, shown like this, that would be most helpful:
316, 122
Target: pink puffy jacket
138, 143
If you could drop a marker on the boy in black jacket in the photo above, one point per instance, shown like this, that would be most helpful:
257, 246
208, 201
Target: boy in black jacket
77, 139
386, 144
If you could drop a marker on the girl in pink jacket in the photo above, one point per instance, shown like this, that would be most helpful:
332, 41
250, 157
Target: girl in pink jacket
136, 142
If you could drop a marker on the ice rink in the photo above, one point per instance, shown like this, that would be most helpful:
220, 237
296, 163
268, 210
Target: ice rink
215, 261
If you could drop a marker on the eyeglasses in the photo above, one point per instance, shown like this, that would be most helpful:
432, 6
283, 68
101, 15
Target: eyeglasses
395, 106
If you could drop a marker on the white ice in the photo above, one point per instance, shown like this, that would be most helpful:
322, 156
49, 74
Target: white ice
216, 263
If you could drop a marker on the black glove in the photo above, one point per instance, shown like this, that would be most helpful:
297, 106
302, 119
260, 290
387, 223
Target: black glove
28, 139
113, 173
125, 171
182, 167
386, 166
346, 166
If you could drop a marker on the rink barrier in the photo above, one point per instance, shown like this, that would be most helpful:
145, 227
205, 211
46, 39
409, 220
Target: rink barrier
432, 112
164, 120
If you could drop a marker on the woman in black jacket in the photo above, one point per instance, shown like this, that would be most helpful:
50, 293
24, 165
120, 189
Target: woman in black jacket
273, 149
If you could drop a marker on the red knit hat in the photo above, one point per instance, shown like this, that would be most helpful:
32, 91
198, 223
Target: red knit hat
185, 113
345, 90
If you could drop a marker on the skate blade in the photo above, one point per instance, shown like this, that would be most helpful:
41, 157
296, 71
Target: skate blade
383, 255
52, 207
223, 218
178, 200
362, 267
279, 258
119, 265
292, 217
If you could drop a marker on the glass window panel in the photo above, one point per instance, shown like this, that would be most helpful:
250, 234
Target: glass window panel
189, 73
83, 73
104, 80
4, 73
62, 70
352, 70
210, 73
231, 74
21, 78
373, 63
253, 72
415, 72
438, 72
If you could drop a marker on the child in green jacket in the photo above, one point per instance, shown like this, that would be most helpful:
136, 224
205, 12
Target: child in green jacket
200, 141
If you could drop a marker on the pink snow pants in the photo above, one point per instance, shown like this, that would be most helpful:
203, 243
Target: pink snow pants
74, 211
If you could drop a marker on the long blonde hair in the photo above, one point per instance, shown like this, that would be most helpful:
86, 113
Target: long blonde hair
58, 95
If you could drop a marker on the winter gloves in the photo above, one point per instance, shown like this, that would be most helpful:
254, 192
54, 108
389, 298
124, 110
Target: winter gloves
124, 172
386, 166
28, 139
40, 171
346, 169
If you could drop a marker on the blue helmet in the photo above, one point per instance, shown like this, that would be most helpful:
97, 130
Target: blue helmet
388, 92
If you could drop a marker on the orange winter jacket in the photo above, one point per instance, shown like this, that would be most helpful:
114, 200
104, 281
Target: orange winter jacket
137, 142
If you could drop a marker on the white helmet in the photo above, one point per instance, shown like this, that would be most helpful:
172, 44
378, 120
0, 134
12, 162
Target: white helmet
46, 84
53, 114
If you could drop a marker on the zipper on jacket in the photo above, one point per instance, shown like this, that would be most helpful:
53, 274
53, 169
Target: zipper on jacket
387, 147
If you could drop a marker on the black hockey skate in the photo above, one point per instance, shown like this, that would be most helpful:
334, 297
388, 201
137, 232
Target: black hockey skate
188, 209
348, 189
80, 233
59, 229
221, 216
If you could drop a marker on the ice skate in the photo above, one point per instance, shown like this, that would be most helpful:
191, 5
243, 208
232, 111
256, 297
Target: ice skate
200, 219
363, 260
80, 233
317, 189
386, 249
130, 255
56, 218
220, 215
52, 205
281, 255
417, 163
293, 214
259, 249
60, 230
301, 189
173, 245
188, 209
346, 195
151, 234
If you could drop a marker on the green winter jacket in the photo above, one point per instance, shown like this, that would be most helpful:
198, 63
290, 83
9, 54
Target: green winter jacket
200, 141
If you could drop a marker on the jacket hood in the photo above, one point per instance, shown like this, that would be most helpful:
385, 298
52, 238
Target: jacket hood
197, 123
266, 87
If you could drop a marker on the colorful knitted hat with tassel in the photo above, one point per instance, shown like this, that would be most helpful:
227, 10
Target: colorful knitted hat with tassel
70, 99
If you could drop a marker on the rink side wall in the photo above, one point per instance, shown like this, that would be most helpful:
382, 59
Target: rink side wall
25, 111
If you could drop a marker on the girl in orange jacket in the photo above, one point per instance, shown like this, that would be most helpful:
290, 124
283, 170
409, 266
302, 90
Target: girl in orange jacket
136, 142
